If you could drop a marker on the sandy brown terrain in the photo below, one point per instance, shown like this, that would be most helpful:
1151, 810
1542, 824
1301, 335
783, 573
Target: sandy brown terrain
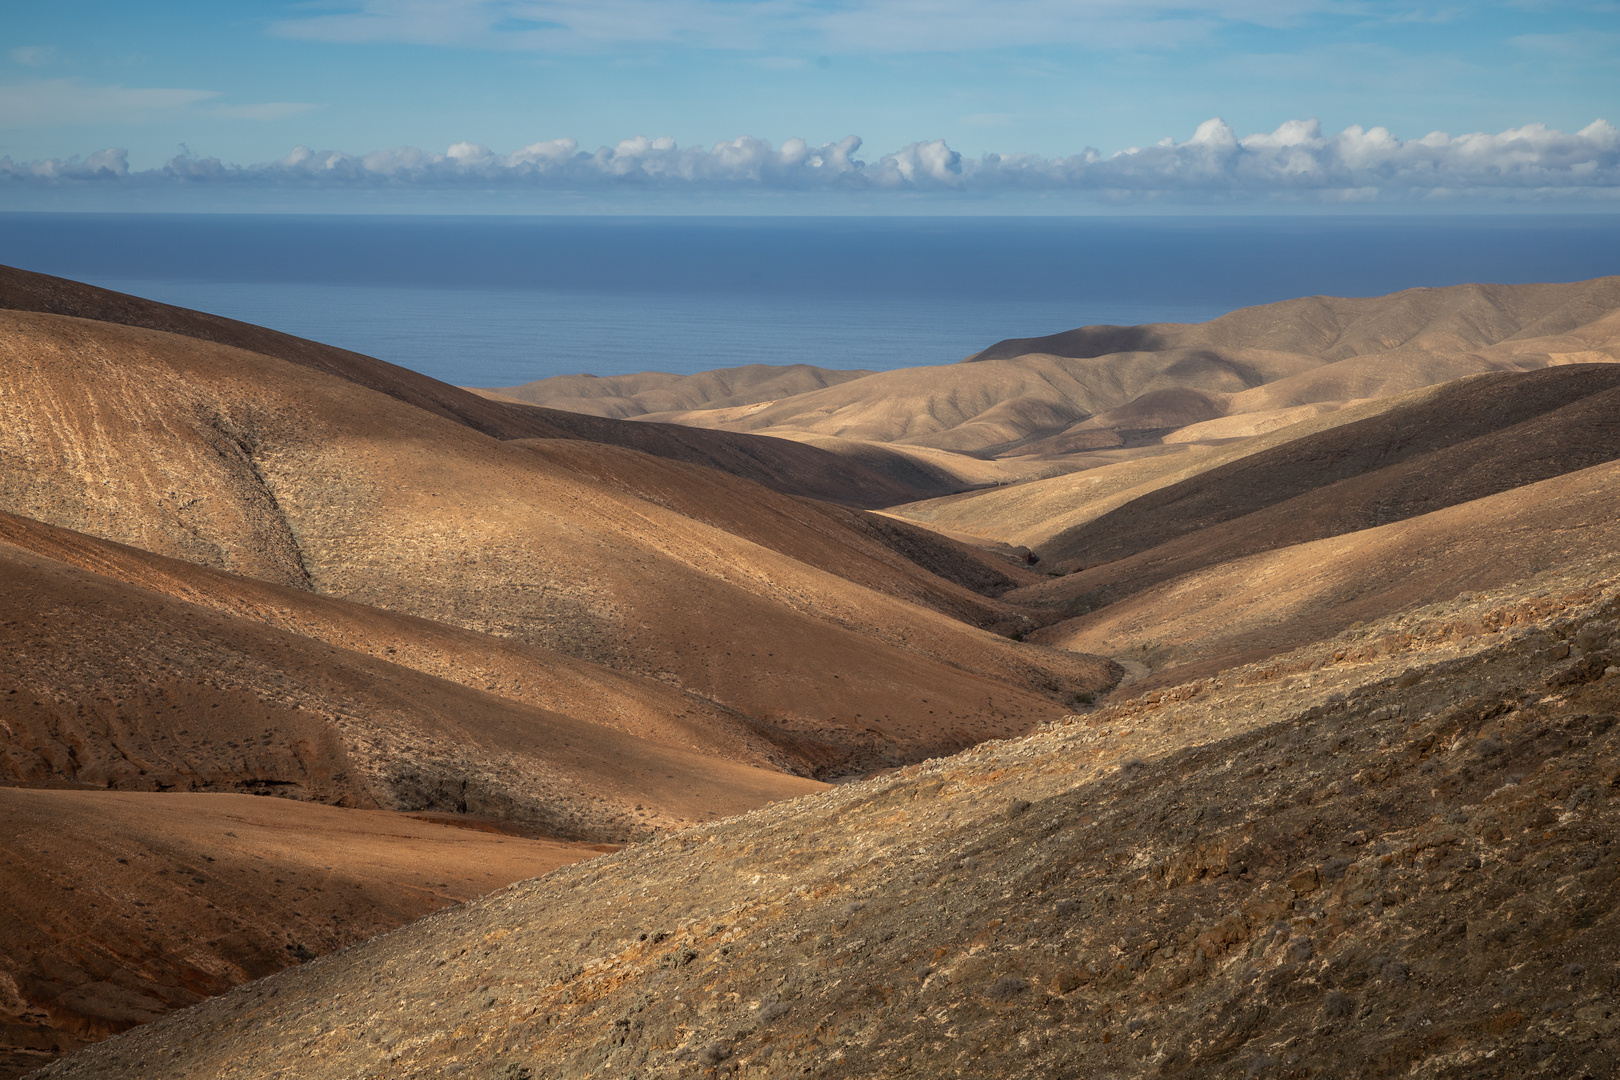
1406, 868
1352, 811
1472, 438
1260, 605
231, 460
120, 906
117, 687
786, 466
1034, 402
654, 392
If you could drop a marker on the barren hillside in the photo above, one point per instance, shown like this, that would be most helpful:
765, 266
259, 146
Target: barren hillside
122, 906
1404, 866
1352, 810
233, 460
1112, 387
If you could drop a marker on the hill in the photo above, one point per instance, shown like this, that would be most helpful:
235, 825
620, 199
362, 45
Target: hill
655, 392
229, 459
1350, 812
1120, 388
1404, 867
122, 906
785, 466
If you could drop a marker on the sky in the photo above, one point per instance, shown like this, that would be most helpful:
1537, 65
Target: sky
602, 104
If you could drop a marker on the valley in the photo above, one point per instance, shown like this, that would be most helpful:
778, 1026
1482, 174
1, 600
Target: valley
1222, 699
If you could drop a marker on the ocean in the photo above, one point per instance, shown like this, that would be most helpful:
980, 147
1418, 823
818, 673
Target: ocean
482, 301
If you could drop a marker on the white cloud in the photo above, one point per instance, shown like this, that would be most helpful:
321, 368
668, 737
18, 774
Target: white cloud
855, 25
66, 102
1295, 161
34, 55
52, 102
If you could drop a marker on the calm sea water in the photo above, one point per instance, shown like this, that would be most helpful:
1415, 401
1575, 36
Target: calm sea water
500, 301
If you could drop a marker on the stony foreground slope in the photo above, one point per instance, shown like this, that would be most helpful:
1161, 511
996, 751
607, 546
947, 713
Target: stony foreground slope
1393, 859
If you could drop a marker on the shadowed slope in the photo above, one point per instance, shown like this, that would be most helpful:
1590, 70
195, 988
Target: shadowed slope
885, 555
872, 478
1467, 440
238, 461
1246, 609
120, 907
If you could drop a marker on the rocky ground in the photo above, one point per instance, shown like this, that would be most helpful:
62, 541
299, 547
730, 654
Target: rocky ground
1391, 854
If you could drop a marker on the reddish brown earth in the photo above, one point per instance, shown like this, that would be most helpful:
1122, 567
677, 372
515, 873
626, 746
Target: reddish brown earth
121, 906
236, 562
1409, 868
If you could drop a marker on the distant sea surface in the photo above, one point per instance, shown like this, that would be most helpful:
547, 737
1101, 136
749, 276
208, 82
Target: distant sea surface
481, 301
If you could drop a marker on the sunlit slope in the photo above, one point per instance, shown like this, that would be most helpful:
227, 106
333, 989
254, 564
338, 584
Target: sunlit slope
1231, 611
1468, 439
113, 686
516, 670
122, 906
1055, 515
1400, 865
786, 466
258, 467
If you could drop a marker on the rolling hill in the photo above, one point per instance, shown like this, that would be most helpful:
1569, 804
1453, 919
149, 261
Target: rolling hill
1119, 388
1351, 810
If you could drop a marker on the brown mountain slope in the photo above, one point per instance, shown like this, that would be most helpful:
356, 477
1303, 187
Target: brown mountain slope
515, 670
786, 466
1035, 512
257, 467
1123, 386
112, 686
852, 544
1469, 439
1249, 608
872, 478
122, 906
1394, 873
661, 392
22, 290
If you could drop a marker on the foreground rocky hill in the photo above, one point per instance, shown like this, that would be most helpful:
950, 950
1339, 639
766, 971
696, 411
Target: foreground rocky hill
122, 906
1393, 859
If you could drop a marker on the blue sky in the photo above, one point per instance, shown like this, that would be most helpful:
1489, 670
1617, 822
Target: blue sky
247, 82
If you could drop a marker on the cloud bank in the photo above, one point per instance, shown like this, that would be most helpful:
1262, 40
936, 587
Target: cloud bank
1296, 161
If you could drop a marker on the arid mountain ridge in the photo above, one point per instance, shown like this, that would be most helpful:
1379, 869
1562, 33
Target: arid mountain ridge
1106, 388
247, 563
